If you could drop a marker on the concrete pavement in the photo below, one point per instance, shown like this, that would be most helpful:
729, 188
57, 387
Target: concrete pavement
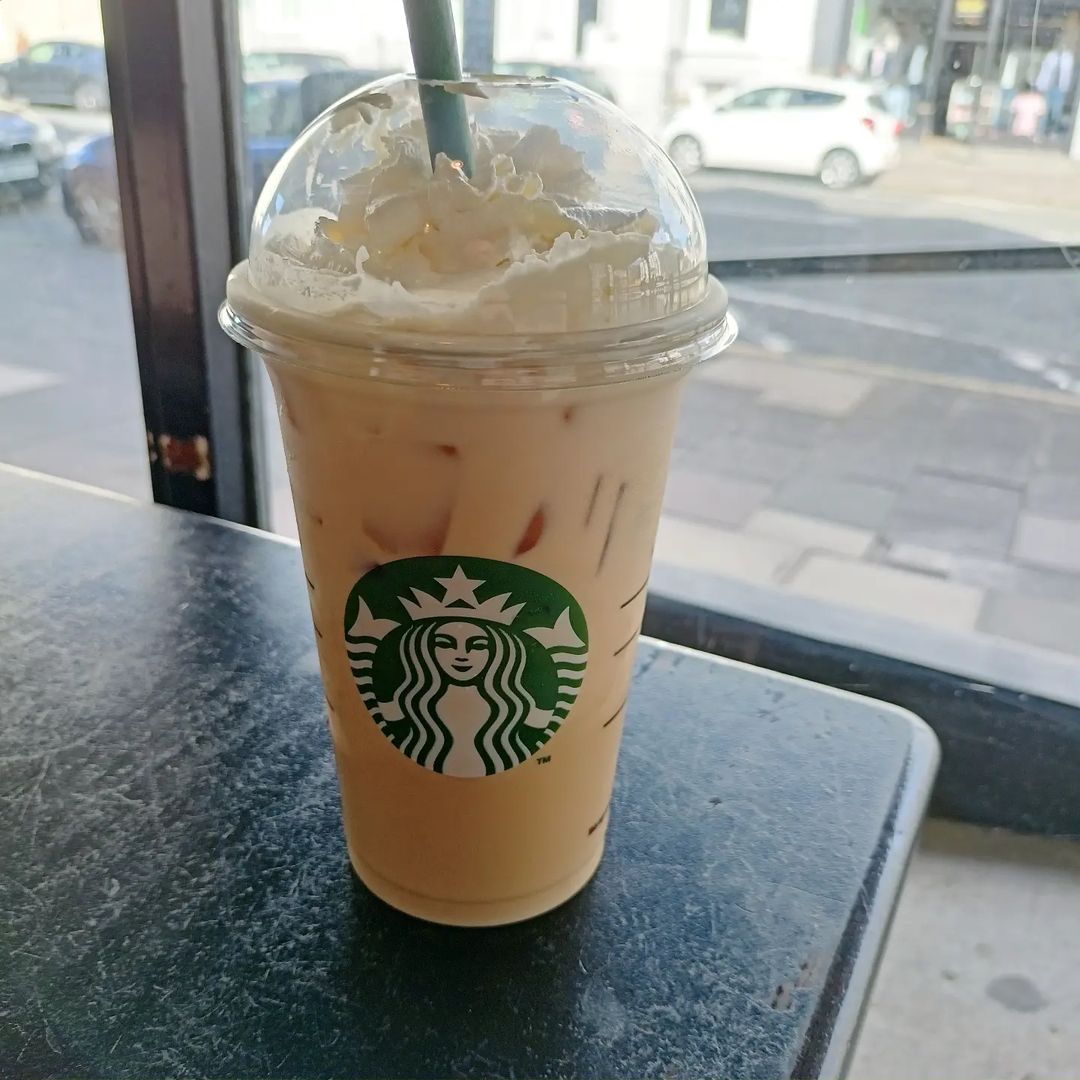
1014, 175
953, 503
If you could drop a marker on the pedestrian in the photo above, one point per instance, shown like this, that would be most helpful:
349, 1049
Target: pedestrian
1028, 109
1054, 81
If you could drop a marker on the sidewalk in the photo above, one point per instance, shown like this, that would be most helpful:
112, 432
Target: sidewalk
943, 501
1018, 175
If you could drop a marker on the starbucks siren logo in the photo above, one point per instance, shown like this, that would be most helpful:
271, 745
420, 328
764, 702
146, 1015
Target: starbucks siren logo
467, 665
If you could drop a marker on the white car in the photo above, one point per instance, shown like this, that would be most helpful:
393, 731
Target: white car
838, 131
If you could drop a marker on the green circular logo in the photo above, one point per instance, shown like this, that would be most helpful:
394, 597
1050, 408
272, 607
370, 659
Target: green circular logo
468, 666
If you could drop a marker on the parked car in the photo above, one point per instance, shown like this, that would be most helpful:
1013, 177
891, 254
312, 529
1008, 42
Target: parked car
836, 130
30, 154
262, 64
583, 76
58, 73
275, 112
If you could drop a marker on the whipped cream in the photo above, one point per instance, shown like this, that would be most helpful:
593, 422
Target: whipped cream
524, 245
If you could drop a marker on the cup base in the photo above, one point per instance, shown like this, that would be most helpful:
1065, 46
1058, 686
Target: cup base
480, 912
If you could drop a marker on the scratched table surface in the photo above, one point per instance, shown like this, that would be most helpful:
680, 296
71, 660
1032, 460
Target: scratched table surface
175, 900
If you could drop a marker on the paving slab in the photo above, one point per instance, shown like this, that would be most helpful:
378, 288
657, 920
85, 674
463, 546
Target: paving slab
1050, 624
748, 458
996, 574
1055, 494
713, 497
819, 391
987, 438
806, 388
708, 409
888, 458
884, 439
809, 532
954, 515
840, 499
1060, 447
713, 550
785, 427
895, 405
888, 591
1049, 542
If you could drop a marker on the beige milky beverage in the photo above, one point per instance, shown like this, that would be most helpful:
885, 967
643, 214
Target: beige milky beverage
477, 495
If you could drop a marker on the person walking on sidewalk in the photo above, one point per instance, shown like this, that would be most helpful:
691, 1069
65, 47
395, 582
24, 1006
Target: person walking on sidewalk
1028, 110
1054, 81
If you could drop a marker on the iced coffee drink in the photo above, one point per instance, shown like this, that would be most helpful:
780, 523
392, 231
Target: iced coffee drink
477, 382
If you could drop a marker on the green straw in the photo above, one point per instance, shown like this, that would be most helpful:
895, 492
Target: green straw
435, 56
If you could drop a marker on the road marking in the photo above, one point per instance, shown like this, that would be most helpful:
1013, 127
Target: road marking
21, 380
1025, 360
777, 343
1018, 357
77, 485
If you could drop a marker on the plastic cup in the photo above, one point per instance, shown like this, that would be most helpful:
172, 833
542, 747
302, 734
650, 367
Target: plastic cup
476, 514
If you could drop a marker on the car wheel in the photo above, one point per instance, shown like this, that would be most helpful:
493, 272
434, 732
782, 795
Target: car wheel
840, 169
90, 95
687, 153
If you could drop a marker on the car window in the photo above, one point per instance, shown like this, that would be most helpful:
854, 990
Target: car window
272, 110
768, 97
876, 101
43, 53
813, 98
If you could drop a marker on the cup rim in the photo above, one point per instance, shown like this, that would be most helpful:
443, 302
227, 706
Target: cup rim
562, 358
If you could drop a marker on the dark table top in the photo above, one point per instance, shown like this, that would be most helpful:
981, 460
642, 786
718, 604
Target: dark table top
175, 898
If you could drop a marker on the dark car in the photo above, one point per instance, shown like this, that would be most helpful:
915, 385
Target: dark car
58, 73
275, 112
30, 155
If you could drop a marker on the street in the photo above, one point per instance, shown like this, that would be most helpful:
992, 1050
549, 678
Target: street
1011, 327
912, 424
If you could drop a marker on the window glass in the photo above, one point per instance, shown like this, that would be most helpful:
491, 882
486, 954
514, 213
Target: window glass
69, 387
903, 446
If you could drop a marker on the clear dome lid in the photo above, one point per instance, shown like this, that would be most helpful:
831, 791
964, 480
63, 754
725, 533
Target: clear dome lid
572, 221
